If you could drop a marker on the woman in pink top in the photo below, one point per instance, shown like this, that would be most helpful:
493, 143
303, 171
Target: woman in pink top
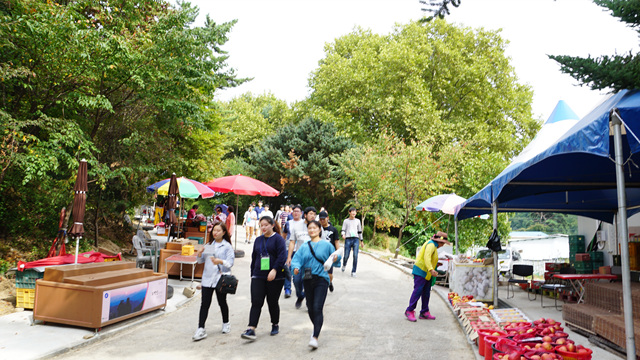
231, 219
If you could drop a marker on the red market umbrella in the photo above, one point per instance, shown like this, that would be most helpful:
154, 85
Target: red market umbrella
241, 185
79, 202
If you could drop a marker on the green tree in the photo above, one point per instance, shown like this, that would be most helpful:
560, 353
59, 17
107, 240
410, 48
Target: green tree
616, 72
128, 86
298, 159
434, 81
248, 119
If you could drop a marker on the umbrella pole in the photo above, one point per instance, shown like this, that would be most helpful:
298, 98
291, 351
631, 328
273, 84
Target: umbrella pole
455, 226
235, 226
77, 247
494, 211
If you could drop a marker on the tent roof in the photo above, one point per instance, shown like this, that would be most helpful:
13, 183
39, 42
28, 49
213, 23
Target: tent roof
573, 174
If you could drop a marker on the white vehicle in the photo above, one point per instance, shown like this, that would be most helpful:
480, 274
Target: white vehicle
506, 258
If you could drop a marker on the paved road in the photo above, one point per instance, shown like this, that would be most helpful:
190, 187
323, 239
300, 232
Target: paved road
363, 319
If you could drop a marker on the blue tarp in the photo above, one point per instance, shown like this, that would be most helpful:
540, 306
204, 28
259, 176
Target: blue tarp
575, 174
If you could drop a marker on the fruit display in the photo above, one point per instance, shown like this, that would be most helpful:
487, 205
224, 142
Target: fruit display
508, 316
472, 279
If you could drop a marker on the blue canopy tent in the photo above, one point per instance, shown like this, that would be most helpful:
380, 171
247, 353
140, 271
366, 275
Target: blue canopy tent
592, 170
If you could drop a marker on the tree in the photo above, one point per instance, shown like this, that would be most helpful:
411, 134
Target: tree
616, 72
248, 119
127, 86
433, 81
550, 223
298, 160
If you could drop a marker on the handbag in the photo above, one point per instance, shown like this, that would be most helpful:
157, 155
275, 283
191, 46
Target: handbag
228, 284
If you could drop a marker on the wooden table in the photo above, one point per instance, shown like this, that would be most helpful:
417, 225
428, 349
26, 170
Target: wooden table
577, 281
183, 259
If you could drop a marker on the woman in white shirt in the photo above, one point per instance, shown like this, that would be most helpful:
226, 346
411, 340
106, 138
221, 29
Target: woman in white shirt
218, 257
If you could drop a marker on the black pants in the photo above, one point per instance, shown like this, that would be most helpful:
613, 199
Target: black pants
207, 295
261, 288
316, 293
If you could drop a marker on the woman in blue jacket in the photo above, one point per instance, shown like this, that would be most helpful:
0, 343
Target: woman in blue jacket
217, 256
309, 260
267, 275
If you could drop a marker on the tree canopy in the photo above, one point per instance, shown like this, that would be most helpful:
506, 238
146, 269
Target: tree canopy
128, 86
616, 72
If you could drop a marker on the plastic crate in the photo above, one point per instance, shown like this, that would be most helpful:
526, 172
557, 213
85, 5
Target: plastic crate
583, 266
27, 279
576, 248
25, 298
597, 255
576, 239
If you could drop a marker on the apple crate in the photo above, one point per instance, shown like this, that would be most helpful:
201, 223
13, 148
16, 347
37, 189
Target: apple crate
27, 279
25, 298
583, 257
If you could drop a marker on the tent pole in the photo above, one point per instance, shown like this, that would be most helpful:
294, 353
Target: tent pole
494, 211
455, 223
623, 233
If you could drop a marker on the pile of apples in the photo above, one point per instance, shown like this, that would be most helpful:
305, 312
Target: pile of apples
572, 349
548, 356
512, 356
454, 298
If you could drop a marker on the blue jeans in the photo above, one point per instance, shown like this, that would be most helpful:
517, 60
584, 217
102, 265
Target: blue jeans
352, 242
297, 282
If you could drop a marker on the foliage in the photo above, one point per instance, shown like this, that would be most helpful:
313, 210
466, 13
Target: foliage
248, 119
550, 223
127, 86
436, 81
298, 161
616, 72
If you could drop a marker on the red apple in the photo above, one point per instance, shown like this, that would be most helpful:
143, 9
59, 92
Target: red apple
561, 341
547, 339
571, 347
547, 346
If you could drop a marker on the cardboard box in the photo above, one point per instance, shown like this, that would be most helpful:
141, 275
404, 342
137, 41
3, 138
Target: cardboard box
583, 257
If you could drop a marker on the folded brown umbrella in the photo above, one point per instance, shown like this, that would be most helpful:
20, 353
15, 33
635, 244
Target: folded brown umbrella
172, 203
79, 201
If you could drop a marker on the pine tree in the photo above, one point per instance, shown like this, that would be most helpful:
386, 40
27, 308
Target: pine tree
616, 72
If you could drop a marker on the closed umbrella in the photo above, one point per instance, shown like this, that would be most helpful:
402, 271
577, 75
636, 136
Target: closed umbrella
172, 202
79, 203
241, 185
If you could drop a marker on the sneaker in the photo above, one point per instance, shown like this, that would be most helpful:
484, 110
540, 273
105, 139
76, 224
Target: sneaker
299, 303
199, 335
313, 342
427, 316
353, 274
411, 316
249, 334
287, 293
275, 329
343, 267
226, 328
331, 287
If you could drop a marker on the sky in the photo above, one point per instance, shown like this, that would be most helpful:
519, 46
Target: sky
279, 42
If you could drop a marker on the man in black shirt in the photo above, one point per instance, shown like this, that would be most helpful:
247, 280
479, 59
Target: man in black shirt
330, 234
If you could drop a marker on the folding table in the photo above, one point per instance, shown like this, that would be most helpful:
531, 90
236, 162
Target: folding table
577, 281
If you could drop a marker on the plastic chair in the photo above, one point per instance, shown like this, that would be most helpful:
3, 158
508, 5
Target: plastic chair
555, 288
146, 251
522, 271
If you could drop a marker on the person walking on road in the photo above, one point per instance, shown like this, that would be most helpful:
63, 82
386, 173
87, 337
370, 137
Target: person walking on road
352, 235
249, 223
299, 236
230, 222
310, 260
424, 276
218, 257
330, 234
267, 276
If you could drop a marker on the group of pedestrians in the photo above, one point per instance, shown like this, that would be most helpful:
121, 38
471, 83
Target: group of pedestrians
302, 250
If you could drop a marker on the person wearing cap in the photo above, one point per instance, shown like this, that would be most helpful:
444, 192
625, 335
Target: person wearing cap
330, 234
352, 235
424, 276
